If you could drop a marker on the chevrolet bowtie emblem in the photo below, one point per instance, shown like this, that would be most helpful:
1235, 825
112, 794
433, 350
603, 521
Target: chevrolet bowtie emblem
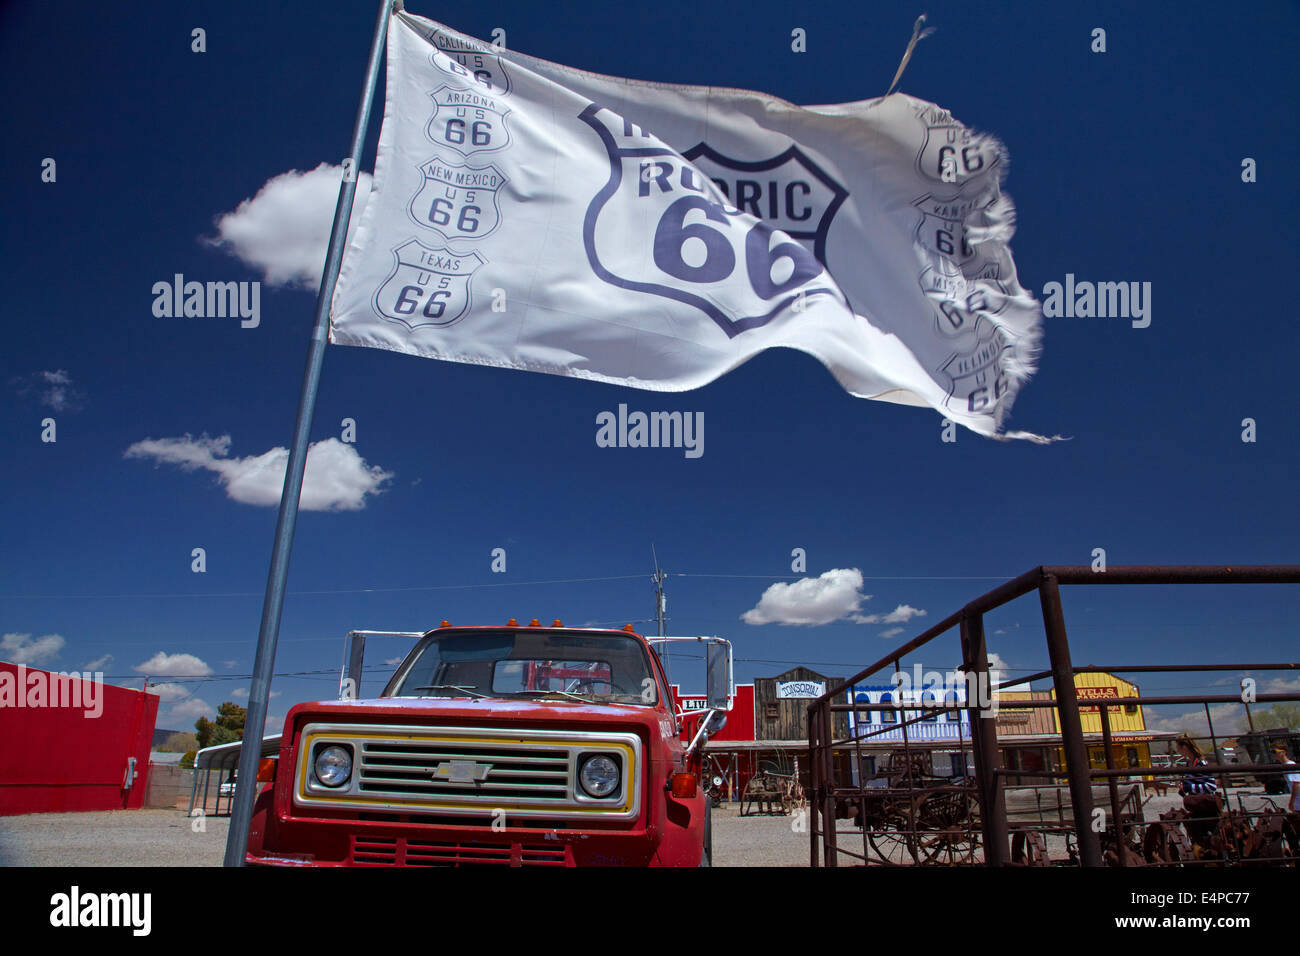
462, 771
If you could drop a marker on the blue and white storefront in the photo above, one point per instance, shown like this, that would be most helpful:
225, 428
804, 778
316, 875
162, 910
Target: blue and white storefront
945, 735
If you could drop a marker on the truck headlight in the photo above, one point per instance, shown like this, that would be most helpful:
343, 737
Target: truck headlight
333, 766
599, 775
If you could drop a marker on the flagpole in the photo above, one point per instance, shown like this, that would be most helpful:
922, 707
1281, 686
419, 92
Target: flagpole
263, 667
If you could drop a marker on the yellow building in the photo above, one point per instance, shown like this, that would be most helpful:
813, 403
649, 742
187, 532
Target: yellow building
1030, 737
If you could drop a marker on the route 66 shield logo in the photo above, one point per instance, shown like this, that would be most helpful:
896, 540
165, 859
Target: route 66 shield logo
660, 226
484, 71
467, 121
427, 287
975, 376
952, 154
457, 201
789, 191
942, 232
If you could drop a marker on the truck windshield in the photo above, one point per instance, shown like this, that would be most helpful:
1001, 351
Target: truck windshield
525, 664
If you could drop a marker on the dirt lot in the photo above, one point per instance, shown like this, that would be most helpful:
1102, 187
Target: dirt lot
111, 838
167, 838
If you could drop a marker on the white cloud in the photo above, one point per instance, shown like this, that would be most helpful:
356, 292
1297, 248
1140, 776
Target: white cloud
242, 692
1279, 685
55, 390
899, 615
284, 230
174, 665
21, 649
171, 692
394, 661
187, 712
336, 477
1229, 719
997, 663
891, 632
99, 663
832, 595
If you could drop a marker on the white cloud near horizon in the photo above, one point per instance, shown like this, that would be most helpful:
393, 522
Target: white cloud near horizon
337, 478
283, 231
171, 692
163, 664
242, 692
21, 649
189, 710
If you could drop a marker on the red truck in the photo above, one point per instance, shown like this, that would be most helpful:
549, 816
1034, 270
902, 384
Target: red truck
515, 745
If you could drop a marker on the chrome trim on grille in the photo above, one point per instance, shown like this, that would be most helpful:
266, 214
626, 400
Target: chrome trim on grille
467, 771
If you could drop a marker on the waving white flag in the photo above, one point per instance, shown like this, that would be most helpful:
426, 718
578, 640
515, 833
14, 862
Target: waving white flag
527, 215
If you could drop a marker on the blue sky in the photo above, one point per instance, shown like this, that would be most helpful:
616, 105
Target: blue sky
1125, 166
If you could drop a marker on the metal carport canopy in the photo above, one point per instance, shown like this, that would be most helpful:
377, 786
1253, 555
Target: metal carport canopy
220, 756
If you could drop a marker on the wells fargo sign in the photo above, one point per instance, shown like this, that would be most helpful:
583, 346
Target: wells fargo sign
1103, 692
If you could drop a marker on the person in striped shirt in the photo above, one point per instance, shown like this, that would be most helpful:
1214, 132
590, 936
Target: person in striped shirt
1198, 791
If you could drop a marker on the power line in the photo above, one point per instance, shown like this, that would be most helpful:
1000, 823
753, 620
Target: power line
429, 587
493, 584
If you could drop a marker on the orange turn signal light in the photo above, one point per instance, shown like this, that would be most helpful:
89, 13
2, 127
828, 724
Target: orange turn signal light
627, 627
534, 623
556, 623
445, 624
512, 623
684, 785
266, 770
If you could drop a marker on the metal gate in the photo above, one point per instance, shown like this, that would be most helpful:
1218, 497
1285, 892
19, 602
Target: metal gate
1081, 815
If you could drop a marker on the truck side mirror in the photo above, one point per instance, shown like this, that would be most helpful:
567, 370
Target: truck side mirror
718, 678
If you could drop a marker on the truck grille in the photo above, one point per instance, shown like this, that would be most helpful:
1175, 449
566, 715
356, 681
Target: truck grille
510, 772
477, 772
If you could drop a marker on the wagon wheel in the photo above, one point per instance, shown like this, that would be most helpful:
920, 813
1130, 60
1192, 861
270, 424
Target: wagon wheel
950, 826
891, 842
1028, 849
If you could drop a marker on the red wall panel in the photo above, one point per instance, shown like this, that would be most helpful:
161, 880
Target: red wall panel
64, 758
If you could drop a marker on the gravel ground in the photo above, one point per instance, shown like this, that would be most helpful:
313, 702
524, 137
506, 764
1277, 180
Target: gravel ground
167, 838
111, 838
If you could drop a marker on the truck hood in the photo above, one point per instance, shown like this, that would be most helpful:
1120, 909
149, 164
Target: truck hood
432, 711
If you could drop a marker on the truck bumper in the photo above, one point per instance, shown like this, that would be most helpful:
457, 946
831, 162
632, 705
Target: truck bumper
336, 844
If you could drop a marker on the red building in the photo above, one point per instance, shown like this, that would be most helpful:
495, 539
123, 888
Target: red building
71, 742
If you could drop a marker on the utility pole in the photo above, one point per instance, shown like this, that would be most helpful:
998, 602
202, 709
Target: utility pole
661, 605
